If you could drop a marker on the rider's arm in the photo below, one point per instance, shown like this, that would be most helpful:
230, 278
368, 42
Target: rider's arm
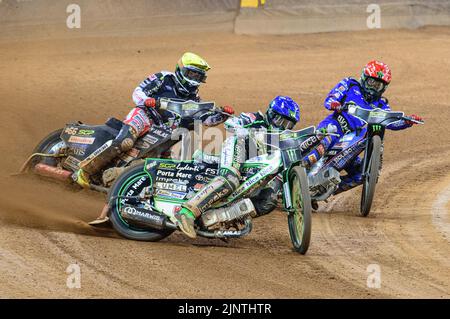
337, 95
244, 121
147, 88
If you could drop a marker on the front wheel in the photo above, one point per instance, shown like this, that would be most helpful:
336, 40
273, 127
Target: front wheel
299, 220
371, 176
131, 182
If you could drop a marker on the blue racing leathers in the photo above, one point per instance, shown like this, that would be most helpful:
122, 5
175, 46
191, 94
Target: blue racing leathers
347, 91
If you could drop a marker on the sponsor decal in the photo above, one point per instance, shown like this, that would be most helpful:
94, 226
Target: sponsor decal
170, 194
167, 166
183, 175
345, 126
332, 152
211, 171
159, 132
255, 179
150, 165
190, 106
78, 151
98, 151
321, 149
308, 143
72, 163
81, 140
133, 211
71, 130
347, 153
376, 127
86, 132
187, 167
172, 186
292, 154
378, 114
312, 158
341, 88
165, 173
150, 140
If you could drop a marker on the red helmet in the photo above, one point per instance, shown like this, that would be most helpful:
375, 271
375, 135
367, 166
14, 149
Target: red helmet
375, 78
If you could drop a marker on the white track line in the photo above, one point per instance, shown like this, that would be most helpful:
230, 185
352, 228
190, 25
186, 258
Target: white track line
440, 214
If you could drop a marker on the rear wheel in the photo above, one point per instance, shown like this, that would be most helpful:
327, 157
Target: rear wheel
371, 176
132, 182
299, 220
50, 144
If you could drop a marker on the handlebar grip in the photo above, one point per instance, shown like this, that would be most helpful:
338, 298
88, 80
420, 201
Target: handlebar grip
407, 118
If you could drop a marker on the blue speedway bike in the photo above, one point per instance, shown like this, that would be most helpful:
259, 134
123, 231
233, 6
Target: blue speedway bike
324, 176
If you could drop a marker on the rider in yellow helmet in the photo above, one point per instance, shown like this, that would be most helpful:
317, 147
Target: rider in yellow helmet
183, 84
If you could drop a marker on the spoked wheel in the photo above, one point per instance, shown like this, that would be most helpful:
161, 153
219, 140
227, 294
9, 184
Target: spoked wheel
371, 176
299, 220
131, 182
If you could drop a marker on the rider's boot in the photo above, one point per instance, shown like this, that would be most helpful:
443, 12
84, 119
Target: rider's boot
104, 155
219, 187
353, 178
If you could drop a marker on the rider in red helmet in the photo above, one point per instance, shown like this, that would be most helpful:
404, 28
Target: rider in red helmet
366, 93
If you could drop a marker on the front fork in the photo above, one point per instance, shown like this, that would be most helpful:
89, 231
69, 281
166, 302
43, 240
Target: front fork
371, 131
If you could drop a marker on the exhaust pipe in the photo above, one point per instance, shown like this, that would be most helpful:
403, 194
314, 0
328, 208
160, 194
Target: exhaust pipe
53, 172
145, 218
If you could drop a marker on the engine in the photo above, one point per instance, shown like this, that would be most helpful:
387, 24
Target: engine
236, 212
324, 182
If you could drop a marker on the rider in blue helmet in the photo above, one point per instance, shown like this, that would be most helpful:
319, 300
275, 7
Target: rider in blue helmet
282, 114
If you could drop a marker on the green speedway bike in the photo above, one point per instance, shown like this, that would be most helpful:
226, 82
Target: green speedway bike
144, 197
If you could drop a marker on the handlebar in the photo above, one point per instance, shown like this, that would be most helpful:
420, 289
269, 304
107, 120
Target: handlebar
409, 118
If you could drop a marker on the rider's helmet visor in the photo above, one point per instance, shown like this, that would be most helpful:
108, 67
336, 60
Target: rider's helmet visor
194, 75
282, 122
375, 84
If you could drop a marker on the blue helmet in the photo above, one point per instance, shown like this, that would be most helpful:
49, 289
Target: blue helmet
283, 113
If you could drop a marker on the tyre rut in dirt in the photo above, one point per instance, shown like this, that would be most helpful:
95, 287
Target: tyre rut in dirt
44, 146
127, 182
299, 221
370, 180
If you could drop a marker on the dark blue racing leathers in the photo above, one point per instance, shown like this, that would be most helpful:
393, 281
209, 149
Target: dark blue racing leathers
348, 90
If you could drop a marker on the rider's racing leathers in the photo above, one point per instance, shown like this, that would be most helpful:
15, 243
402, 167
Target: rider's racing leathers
235, 150
346, 91
138, 121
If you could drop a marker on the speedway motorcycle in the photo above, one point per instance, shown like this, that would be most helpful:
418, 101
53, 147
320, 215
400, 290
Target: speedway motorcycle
59, 154
324, 175
144, 197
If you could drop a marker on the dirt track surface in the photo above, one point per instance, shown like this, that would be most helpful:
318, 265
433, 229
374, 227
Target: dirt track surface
47, 83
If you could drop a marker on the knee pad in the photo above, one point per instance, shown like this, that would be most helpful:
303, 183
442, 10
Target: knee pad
124, 141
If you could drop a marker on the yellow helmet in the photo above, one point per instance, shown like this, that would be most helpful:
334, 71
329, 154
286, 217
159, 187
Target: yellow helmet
190, 72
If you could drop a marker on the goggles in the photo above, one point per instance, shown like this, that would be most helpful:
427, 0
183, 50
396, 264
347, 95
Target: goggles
194, 75
282, 122
375, 84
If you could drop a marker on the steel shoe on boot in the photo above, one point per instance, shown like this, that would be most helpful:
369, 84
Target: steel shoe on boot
81, 178
185, 219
